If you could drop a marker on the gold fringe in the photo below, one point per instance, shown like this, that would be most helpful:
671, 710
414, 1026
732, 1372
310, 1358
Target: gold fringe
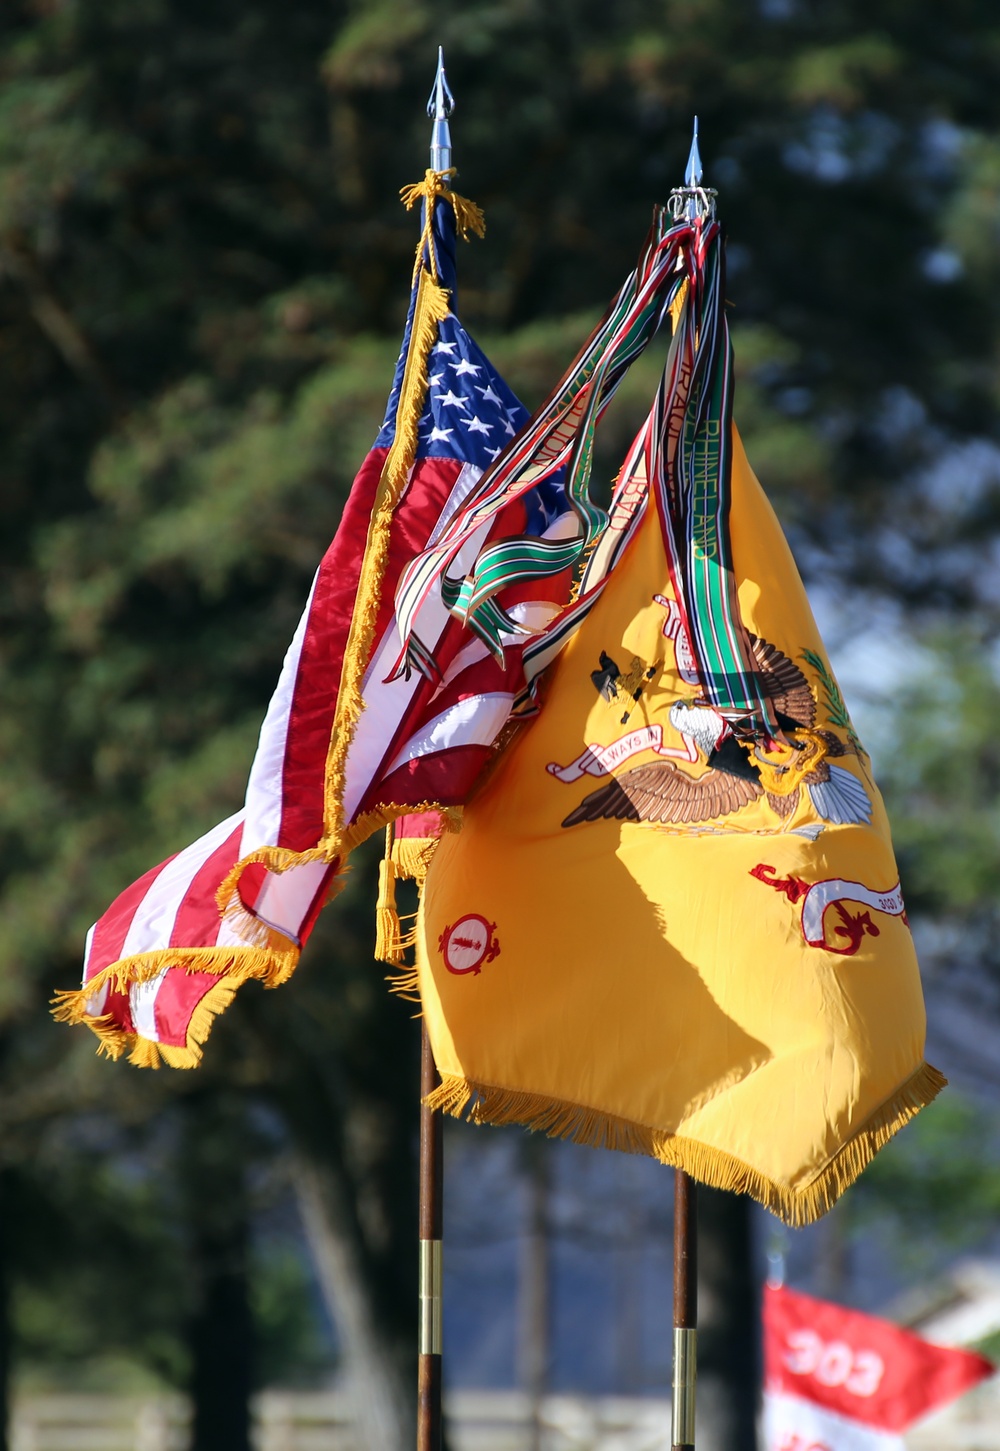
485, 1104
276, 859
405, 984
468, 217
431, 306
365, 826
412, 855
265, 964
270, 956
70, 1007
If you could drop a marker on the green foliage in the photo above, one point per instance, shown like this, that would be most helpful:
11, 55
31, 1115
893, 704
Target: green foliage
943, 787
940, 1176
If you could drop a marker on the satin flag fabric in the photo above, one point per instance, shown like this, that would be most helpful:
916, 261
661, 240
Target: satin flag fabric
660, 934
838, 1380
364, 726
341, 748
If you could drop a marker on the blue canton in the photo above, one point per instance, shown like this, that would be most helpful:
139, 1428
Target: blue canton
470, 414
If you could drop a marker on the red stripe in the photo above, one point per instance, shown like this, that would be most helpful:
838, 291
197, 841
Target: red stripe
318, 680
419, 825
177, 997
112, 929
482, 677
197, 921
446, 776
116, 1006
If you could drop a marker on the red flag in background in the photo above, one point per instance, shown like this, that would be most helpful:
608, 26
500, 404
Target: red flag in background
838, 1380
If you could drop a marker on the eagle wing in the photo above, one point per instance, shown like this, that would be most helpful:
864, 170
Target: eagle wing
661, 792
784, 682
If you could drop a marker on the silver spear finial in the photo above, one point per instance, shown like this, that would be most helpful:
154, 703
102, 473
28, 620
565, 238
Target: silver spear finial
693, 172
693, 202
439, 108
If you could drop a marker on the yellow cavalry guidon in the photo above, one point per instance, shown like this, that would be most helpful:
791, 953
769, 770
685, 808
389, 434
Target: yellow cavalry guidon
664, 930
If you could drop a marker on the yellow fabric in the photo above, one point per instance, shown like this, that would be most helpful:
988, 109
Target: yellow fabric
633, 983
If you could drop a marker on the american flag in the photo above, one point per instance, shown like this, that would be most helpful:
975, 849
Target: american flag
240, 902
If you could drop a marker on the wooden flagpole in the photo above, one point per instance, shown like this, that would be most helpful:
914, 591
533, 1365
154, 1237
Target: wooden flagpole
429, 1416
692, 200
685, 1310
431, 1188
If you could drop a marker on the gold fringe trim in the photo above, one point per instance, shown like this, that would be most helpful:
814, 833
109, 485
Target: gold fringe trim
412, 856
276, 859
365, 826
430, 308
234, 966
435, 186
265, 964
405, 984
484, 1104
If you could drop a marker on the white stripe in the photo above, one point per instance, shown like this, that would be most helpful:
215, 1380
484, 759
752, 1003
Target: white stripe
94, 1005
474, 721
286, 897
154, 919
468, 477
87, 950
142, 1005
387, 702
534, 614
263, 797
789, 1421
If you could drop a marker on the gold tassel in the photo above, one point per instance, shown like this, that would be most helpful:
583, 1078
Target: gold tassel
388, 947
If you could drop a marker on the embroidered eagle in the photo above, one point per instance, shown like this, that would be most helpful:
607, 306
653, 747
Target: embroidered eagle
663, 792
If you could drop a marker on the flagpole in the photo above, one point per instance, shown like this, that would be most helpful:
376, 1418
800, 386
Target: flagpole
685, 1310
694, 202
431, 1185
431, 1227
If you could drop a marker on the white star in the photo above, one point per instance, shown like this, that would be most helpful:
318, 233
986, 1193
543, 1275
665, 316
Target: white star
488, 394
443, 347
509, 427
476, 425
452, 400
435, 378
494, 453
439, 435
464, 366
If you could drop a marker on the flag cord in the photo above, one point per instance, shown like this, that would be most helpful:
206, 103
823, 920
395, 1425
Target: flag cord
431, 1222
685, 1310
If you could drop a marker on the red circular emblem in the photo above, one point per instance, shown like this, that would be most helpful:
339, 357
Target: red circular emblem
469, 944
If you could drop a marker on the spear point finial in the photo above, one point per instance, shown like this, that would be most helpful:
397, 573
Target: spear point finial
693, 202
693, 171
439, 107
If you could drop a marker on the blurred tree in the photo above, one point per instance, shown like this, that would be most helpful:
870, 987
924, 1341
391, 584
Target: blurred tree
202, 278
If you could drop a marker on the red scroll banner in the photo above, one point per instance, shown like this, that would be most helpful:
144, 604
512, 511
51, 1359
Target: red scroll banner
837, 1380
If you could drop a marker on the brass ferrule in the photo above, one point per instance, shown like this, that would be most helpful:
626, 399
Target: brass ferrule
430, 1297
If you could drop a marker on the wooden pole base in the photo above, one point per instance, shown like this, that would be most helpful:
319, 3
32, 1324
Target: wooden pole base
429, 1397
685, 1311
